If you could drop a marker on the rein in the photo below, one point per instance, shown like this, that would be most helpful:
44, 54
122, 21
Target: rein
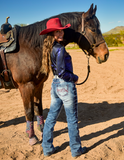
92, 46
88, 68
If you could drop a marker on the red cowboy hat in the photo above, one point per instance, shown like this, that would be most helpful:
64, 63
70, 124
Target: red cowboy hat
53, 25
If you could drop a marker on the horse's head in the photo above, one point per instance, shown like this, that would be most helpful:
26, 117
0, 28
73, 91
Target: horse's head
91, 31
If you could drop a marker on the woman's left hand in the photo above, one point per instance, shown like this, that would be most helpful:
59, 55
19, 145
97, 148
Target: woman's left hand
76, 82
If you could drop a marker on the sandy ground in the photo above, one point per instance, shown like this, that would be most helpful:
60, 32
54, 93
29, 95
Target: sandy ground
101, 114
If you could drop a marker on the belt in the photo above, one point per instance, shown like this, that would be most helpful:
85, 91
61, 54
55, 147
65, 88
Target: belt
56, 77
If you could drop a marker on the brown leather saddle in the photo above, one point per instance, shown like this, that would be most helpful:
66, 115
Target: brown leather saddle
8, 44
3, 39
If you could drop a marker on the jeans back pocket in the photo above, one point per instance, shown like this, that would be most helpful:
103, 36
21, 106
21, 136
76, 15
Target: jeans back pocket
62, 90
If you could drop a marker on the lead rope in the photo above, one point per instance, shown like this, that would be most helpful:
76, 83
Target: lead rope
88, 68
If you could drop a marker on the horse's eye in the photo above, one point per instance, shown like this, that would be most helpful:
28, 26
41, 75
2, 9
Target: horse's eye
93, 30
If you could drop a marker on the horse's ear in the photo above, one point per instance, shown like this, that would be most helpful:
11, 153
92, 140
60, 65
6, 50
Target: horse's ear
94, 10
89, 12
91, 9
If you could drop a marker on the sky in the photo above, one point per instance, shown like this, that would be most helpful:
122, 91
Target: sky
109, 12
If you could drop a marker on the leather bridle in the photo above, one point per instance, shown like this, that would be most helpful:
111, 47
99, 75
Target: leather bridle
92, 46
90, 50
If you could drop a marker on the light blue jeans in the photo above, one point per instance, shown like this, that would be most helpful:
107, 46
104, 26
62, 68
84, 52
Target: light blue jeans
62, 93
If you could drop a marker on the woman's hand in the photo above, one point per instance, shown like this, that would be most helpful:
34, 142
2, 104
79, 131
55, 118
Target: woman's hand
76, 82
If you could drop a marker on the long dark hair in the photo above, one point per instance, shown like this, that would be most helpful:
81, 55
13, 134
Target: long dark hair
47, 49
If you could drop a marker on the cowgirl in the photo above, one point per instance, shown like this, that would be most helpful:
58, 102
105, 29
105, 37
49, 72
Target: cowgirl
63, 90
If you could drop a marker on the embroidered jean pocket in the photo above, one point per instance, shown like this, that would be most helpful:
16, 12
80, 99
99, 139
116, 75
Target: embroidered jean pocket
62, 90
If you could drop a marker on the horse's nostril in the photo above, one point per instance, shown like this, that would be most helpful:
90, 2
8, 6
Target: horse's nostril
106, 57
99, 60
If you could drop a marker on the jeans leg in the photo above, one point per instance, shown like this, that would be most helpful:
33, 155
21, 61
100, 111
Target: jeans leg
75, 141
70, 105
55, 108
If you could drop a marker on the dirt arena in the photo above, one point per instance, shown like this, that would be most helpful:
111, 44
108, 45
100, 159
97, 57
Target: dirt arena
100, 107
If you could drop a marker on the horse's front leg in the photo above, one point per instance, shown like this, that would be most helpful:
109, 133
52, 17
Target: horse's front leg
27, 93
38, 107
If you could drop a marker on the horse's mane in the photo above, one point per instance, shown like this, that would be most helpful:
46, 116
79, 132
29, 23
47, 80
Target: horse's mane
30, 33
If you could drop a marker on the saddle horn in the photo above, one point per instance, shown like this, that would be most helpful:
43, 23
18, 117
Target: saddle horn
5, 27
7, 19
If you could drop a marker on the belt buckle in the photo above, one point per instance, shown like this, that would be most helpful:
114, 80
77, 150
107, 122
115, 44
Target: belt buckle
56, 77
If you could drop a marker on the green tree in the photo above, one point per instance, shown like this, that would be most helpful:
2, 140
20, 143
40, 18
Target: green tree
113, 40
122, 35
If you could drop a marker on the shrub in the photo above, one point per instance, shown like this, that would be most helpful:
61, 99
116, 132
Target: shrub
113, 40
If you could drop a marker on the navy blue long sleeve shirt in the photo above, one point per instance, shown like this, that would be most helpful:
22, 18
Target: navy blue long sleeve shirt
62, 64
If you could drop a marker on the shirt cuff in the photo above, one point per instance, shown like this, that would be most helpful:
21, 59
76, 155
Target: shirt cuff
75, 78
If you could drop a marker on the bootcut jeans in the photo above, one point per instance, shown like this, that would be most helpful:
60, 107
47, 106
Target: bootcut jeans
62, 93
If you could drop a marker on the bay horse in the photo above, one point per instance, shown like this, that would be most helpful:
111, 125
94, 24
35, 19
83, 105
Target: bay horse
25, 64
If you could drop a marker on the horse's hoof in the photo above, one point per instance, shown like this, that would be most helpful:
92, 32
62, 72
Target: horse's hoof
33, 141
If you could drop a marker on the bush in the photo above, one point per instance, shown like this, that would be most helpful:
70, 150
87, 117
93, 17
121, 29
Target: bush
113, 40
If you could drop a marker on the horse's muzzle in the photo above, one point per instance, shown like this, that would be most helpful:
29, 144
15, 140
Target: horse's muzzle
101, 60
